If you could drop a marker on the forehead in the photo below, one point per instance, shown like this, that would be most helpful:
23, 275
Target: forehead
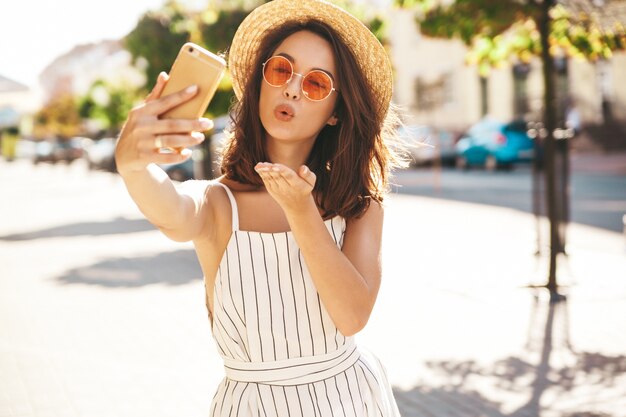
309, 50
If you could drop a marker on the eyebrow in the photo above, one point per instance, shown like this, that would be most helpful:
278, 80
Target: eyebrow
293, 61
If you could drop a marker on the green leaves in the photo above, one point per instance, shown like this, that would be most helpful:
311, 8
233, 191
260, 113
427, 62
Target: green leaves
157, 39
107, 104
502, 31
582, 37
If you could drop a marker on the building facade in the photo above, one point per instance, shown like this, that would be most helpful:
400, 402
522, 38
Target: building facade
434, 86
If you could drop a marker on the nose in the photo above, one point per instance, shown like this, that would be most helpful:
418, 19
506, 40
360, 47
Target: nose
292, 88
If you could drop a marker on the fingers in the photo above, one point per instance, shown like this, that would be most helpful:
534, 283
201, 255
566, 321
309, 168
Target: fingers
173, 141
277, 175
158, 87
163, 104
267, 174
170, 158
286, 176
165, 126
306, 174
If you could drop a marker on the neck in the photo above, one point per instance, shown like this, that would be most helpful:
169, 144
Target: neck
290, 154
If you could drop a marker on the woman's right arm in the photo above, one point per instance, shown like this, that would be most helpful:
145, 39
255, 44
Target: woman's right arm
174, 210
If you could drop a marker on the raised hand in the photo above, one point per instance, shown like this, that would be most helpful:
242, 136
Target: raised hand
145, 134
291, 189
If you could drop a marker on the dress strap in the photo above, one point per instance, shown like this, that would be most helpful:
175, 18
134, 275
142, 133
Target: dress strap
233, 205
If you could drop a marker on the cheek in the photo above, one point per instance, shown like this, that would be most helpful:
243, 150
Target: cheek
263, 98
325, 110
317, 114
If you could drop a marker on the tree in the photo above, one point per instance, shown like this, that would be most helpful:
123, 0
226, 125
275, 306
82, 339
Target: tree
108, 104
155, 39
498, 31
58, 118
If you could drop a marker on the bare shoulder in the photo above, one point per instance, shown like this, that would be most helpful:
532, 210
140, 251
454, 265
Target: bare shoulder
375, 209
207, 193
193, 188
209, 199
362, 243
218, 207
372, 217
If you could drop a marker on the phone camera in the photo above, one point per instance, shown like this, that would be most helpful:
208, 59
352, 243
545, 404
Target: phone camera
191, 49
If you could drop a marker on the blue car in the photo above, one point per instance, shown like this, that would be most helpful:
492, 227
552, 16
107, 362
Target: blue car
494, 144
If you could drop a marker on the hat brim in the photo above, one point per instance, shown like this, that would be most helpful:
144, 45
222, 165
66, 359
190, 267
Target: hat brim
371, 56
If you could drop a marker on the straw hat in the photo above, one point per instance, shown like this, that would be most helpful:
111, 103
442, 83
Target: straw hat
370, 54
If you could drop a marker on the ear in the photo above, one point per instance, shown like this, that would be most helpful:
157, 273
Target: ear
332, 121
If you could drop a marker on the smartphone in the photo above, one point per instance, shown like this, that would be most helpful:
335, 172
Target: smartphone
194, 65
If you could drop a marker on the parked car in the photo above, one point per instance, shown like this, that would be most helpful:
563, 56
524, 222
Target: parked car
426, 144
44, 152
180, 172
189, 169
494, 144
100, 154
69, 150
58, 151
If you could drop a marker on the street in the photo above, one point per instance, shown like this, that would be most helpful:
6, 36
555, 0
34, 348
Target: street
101, 315
597, 198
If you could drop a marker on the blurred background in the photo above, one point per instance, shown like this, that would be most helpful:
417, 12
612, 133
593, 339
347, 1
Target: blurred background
504, 289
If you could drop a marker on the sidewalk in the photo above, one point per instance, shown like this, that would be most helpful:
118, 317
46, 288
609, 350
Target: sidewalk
100, 315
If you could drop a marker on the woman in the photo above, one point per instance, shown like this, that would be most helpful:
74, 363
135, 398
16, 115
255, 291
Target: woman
289, 237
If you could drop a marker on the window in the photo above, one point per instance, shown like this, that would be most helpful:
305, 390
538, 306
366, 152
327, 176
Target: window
520, 90
434, 94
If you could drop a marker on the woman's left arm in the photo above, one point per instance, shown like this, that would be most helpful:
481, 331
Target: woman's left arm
346, 279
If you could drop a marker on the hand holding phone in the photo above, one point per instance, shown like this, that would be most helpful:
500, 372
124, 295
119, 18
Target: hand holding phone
170, 118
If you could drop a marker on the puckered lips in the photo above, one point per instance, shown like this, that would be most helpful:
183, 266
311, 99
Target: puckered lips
284, 112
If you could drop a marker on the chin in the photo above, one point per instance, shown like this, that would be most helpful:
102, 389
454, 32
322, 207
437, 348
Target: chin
282, 135
279, 130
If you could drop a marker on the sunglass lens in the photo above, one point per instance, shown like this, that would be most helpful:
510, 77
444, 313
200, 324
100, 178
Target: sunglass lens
277, 71
317, 85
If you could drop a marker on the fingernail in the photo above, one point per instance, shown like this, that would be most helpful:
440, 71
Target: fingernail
206, 123
191, 89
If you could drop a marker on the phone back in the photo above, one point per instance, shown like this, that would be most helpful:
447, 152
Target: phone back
194, 65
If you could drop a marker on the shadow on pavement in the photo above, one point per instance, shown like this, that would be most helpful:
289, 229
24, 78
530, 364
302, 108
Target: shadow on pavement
575, 377
445, 401
112, 227
170, 268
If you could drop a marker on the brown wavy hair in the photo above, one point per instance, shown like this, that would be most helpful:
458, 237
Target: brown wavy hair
352, 160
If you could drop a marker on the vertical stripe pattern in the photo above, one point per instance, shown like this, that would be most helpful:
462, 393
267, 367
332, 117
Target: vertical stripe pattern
267, 309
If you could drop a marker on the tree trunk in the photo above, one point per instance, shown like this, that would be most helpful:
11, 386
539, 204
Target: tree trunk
549, 122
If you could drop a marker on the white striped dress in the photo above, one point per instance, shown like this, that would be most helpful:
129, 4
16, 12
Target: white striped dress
283, 355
